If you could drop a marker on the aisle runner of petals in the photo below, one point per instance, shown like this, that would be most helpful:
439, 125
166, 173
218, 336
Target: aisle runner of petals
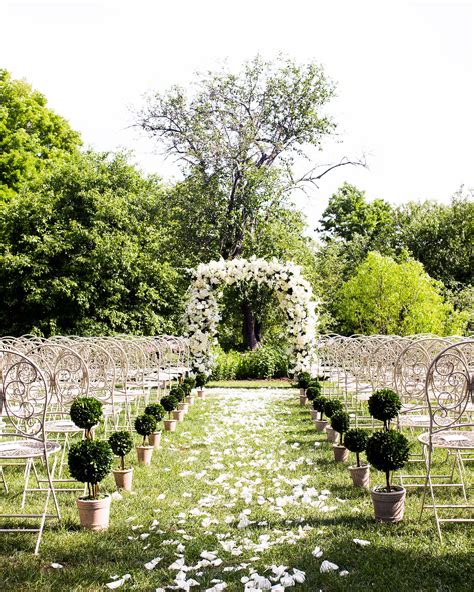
234, 507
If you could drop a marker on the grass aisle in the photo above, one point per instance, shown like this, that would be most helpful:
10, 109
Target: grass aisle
244, 487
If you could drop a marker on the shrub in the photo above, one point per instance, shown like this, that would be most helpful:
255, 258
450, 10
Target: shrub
340, 422
384, 405
178, 393
319, 404
186, 388
155, 409
191, 380
169, 403
90, 462
355, 440
145, 425
268, 361
86, 412
304, 378
121, 443
313, 391
331, 406
201, 379
387, 451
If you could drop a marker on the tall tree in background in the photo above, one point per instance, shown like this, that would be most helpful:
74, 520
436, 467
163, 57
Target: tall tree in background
239, 135
31, 135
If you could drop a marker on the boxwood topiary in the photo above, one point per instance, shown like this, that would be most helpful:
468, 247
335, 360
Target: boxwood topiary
319, 404
90, 462
121, 444
178, 393
331, 406
304, 379
201, 379
191, 380
86, 412
313, 391
355, 440
384, 405
387, 451
145, 425
169, 403
155, 409
340, 422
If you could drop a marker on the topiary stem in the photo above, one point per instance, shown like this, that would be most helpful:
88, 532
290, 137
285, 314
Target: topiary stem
358, 459
387, 477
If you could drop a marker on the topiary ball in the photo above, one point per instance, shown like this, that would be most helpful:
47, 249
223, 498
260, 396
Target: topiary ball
155, 409
384, 405
90, 461
169, 403
178, 393
356, 439
387, 450
121, 443
145, 425
191, 380
313, 391
304, 379
201, 379
86, 412
319, 403
340, 421
331, 406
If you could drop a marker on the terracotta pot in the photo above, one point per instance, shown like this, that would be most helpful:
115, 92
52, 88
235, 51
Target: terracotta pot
94, 514
155, 439
320, 424
314, 414
332, 435
178, 415
190, 400
184, 407
302, 392
170, 425
144, 454
389, 507
341, 454
303, 400
201, 394
123, 478
360, 476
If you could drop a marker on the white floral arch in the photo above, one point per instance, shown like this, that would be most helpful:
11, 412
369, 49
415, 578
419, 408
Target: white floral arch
293, 292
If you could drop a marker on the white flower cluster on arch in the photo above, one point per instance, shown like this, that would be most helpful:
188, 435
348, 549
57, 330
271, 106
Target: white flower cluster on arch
293, 292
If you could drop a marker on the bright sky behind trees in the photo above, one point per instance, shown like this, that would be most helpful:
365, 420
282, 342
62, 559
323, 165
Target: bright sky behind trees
404, 69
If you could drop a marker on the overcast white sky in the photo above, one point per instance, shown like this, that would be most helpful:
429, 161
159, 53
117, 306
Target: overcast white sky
404, 68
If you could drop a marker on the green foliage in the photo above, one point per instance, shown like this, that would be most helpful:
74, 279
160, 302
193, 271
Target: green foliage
201, 379
387, 451
155, 409
186, 388
81, 252
32, 137
304, 378
331, 406
145, 425
86, 412
340, 421
265, 362
387, 297
178, 393
356, 440
169, 403
319, 404
121, 444
384, 405
191, 380
90, 462
313, 391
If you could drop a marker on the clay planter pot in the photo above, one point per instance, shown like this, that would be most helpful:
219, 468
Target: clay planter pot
302, 392
178, 415
144, 454
314, 414
303, 400
320, 424
360, 476
94, 514
184, 407
170, 425
201, 394
190, 400
389, 507
341, 454
123, 479
155, 439
332, 435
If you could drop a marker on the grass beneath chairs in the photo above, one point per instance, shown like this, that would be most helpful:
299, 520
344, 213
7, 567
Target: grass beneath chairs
241, 456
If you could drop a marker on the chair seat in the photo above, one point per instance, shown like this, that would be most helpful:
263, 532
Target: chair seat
61, 426
27, 449
456, 440
414, 421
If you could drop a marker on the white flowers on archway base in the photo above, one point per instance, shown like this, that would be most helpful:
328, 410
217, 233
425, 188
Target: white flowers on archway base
293, 292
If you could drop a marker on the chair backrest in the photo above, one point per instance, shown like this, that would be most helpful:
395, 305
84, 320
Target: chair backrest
24, 395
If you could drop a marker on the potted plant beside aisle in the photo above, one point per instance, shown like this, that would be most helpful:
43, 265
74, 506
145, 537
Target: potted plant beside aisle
90, 462
169, 404
121, 444
178, 394
318, 406
86, 413
313, 391
304, 378
201, 381
186, 389
330, 408
355, 440
340, 422
158, 412
145, 425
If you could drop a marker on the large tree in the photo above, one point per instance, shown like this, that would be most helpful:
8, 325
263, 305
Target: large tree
31, 135
239, 136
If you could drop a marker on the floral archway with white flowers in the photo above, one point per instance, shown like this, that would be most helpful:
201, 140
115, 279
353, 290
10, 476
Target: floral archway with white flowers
293, 292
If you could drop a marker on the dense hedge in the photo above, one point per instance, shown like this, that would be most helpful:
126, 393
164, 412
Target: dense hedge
265, 362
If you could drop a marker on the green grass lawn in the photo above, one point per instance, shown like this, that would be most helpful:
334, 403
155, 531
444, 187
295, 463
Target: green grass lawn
241, 456
252, 384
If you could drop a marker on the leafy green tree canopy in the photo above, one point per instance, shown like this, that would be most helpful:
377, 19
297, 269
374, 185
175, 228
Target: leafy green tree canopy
31, 135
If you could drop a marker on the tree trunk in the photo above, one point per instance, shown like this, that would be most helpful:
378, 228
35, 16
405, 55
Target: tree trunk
251, 328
